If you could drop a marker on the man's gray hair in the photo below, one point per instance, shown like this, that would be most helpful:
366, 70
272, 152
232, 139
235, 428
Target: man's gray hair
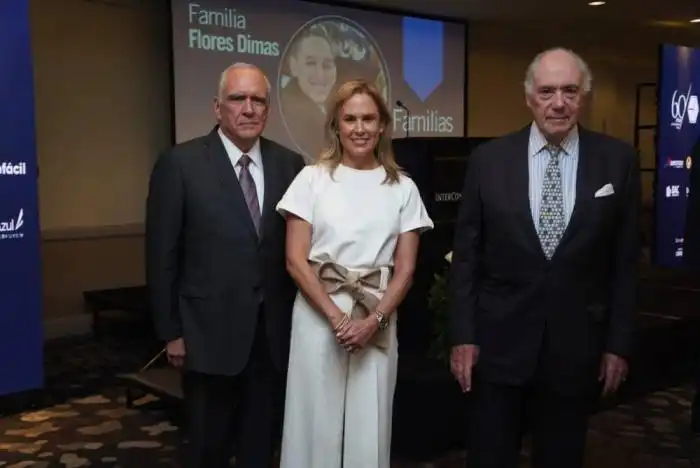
586, 75
236, 66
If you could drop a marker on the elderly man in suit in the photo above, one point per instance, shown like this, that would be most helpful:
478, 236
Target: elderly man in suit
215, 260
691, 257
543, 275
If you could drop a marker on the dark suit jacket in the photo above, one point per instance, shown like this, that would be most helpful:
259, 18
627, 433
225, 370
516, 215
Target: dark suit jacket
208, 271
509, 299
691, 239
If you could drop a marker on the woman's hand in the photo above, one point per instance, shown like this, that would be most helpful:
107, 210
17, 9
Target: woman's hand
339, 321
357, 333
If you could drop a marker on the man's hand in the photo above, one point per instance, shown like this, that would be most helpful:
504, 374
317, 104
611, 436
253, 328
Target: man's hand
462, 361
175, 350
613, 371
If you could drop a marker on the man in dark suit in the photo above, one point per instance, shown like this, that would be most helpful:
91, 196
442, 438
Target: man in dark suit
543, 274
691, 256
220, 293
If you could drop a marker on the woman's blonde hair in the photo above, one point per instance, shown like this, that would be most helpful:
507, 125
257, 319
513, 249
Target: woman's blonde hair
332, 153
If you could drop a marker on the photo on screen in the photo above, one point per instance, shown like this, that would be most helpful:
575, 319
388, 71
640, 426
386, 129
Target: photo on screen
321, 55
307, 50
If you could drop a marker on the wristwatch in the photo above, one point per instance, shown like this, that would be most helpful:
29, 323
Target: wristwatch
381, 318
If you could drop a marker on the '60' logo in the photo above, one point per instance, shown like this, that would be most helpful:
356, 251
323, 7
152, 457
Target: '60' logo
683, 105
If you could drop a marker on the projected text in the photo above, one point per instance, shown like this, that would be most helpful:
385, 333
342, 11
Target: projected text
225, 18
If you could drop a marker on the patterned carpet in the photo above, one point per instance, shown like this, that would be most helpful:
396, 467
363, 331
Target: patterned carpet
81, 419
92, 431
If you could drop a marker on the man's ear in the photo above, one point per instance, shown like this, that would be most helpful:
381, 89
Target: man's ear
217, 108
528, 101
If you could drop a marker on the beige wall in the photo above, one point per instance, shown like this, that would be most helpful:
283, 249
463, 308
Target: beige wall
103, 112
74, 265
102, 108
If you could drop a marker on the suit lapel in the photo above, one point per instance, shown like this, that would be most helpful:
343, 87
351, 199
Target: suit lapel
227, 179
519, 188
273, 184
584, 188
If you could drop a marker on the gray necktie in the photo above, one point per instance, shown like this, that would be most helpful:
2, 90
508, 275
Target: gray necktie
551, 221
249, 191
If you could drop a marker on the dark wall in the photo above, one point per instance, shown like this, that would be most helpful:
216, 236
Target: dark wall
438, 166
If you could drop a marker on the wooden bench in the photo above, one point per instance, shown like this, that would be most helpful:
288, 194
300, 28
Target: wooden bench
132, 300
163, 380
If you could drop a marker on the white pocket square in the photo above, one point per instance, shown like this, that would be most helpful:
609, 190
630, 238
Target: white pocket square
605, 191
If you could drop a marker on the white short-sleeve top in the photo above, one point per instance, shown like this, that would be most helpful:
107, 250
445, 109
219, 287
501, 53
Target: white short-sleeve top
356, 217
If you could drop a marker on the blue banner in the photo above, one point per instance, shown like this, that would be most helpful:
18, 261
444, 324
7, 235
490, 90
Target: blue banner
678, 130
423, 51
21, 336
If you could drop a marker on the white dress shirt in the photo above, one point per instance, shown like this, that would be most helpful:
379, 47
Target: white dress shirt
255, 167
539, 159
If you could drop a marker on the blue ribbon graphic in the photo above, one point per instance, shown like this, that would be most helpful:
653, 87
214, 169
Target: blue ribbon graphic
423, 55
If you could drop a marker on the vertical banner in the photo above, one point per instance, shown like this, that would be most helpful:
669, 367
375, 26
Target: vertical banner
678, 130
423, 64
21, 337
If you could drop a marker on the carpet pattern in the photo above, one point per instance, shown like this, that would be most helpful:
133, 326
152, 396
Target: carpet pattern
81, 419
100, 431
92, 431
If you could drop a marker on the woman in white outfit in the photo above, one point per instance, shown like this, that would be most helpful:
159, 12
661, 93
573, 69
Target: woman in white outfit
353, 226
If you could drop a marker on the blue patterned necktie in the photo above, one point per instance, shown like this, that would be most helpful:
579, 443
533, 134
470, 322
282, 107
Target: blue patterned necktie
249, 191
551, 221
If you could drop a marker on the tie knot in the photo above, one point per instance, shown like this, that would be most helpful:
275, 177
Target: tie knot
554, 150
244, 161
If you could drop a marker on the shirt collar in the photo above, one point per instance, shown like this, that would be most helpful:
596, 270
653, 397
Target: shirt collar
538, 142
234, 153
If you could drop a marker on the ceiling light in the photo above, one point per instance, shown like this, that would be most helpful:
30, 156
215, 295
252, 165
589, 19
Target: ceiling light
596, 3
696, 20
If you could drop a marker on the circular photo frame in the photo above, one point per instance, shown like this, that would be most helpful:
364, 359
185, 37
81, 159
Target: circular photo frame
321, 55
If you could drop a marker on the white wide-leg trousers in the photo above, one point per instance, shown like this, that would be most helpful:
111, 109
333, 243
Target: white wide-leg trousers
338, 408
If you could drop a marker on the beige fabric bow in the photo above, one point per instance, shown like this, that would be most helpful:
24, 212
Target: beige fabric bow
335, 278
